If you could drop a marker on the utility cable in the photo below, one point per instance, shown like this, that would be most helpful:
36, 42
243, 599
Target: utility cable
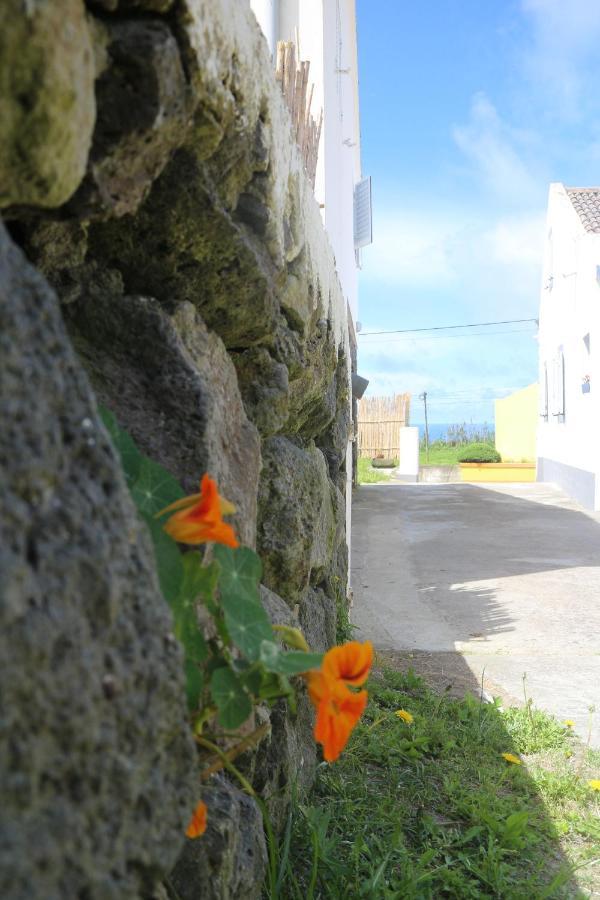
442, 337
447, 327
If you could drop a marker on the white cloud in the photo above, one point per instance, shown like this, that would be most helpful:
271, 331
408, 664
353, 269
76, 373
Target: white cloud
518, 241
476, 263
565, 36
409, 248
462, 376
495, 152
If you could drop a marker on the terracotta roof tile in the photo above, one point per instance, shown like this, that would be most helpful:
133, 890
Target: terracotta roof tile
586, 202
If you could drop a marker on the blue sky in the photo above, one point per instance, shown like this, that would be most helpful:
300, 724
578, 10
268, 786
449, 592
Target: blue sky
469, 109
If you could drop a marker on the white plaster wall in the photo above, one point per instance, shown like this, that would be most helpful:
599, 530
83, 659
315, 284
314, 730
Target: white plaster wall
341, 141
267, 15
408, 469
326, 34
570, 309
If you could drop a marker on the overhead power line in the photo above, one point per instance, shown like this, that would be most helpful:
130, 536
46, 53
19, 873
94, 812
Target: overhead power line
447, 327
443, 337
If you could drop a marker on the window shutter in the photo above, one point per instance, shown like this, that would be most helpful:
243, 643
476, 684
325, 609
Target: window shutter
363, 220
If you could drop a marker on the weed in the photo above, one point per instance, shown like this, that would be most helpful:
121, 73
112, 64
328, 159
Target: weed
429, 809
367, 474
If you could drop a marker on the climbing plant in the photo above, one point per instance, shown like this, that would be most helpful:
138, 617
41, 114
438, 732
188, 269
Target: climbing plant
242, 663
237, 659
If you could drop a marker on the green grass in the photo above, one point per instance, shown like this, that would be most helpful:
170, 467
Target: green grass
440, 455
368, 475
432, 810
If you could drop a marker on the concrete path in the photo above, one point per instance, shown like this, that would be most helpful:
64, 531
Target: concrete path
500, 579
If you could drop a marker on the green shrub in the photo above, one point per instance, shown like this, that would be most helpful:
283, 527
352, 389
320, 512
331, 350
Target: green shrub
479, 453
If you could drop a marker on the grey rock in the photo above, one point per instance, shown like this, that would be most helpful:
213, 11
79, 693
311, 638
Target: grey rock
159, 6
200, 254
143, 109
317, 617
229, 861
313, 387
333, 441
296, 526
96, 757
47, 105
172, 385
285, 761
277, 609
194, 196
264, 387
58, 249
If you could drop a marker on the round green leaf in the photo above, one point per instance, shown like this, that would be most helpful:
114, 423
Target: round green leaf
231, 700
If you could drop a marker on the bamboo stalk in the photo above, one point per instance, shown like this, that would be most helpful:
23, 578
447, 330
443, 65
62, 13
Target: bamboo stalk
379, 423
292, 73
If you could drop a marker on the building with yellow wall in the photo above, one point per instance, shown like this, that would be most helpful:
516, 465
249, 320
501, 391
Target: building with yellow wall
516, 425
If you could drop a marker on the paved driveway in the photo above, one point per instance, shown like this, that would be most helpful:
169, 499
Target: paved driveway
503, 580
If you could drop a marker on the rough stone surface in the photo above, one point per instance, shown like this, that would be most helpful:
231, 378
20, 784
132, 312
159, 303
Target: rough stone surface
264, 385
317, 617
200, 290
296, 528
143, 109
229, 861
313, 389
199, 254
47, 105
333, 441
95, 754
160, 6
171, 383
287, 758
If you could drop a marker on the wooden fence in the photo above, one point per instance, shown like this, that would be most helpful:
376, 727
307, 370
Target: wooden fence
379, 422
293, 78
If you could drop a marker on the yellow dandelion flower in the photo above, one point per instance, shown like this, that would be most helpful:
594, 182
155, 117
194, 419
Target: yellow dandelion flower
511, 758
405, 716
569, 723
594, 784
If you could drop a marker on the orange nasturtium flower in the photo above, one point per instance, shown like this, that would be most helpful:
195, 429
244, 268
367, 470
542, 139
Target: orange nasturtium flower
199, 518
338, 708
349, 662
197, 824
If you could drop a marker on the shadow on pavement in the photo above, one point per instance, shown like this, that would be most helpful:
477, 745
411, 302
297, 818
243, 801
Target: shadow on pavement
426, 565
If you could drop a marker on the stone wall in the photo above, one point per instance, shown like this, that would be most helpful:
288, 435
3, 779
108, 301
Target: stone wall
175, 269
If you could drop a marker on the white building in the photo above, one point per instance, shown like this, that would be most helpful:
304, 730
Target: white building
325, 34
568, 446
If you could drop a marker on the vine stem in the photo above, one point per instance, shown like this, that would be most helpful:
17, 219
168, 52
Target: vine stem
227, 764
272, 846
250, 741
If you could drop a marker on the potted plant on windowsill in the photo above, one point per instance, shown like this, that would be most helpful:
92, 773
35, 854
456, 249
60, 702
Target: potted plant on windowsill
482, 462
